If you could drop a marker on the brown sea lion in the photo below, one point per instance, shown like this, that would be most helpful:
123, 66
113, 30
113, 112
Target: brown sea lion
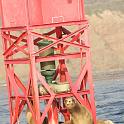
80, 114
30, 118
104, 122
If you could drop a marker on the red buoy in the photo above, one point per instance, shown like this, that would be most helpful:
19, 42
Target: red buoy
23, 23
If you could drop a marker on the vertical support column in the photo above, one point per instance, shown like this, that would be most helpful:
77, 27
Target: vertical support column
4, 42
90, 81
62, 66
89, 78
61, 62
33, 77
53, 113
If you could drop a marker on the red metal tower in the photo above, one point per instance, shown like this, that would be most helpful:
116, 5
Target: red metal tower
21, 21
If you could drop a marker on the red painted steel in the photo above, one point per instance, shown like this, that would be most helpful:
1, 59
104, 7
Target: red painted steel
45, 13
17, 13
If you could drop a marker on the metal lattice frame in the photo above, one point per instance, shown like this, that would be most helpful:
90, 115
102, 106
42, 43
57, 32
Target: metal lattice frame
29, 38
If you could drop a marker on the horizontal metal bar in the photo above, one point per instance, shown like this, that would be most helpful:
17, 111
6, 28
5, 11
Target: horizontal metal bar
59, 57
17, 61
14, 28
58, 95
45, 59
81, 22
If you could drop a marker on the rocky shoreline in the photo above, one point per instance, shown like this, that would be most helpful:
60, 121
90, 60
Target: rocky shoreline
108, 75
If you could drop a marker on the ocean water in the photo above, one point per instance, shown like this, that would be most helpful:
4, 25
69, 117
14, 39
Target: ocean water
109, 95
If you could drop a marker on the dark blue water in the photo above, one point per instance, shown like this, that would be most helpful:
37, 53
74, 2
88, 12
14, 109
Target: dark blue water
109, 96
110, 100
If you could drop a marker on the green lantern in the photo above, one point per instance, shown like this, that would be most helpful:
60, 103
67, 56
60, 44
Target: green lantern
47, 68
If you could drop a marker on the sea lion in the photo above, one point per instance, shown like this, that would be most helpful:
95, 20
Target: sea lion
104, 122
80, 114
30, 119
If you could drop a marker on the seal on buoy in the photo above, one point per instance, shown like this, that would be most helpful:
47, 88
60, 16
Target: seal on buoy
104, 122
30, 118
80, 114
